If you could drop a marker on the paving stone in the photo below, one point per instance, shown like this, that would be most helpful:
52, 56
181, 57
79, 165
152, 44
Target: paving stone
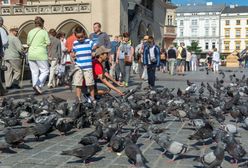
44, 155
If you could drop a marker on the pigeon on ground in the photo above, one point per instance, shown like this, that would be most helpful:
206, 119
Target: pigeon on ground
134, 154
116, 143
15, 136
171, 146
203, 133
43, 128
234, 148
84, 152
64, 125
98, 132
88, 140
214, 158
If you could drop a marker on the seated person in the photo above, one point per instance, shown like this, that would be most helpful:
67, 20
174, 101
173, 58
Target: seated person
101, 55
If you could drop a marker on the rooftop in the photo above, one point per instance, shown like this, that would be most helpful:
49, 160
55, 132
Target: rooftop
192, 8
235, 9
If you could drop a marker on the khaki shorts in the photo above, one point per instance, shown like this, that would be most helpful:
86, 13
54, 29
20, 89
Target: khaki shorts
80, 75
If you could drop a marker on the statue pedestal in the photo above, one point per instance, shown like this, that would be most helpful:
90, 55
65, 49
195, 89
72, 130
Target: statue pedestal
232, 60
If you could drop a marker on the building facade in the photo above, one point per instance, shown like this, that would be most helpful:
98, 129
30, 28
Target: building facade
199, 23
139, 17
234, 29
170, 33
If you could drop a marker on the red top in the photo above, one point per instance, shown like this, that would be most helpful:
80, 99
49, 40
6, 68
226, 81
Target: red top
69, 42
97, 68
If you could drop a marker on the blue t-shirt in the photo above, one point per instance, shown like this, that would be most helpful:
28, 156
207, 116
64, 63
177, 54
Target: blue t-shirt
114, 46
83, 52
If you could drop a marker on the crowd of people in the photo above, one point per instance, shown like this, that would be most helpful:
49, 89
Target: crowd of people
86, 61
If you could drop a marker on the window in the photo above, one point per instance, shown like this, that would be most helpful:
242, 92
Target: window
194, 32
237, 22
206, 46
227, 22
227, 33
181, 32
6, 2
194, 22
237, 45
181, 22
206, 31
213, 45
246, 32
169, 20
226, 45
237, 32
214, 22
206, 22
213, 31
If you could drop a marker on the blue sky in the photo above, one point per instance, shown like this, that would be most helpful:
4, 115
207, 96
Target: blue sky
239, 2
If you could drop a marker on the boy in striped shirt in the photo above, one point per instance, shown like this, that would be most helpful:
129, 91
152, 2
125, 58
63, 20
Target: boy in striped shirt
82, 49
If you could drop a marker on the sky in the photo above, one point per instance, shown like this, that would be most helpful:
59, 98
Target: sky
228, 2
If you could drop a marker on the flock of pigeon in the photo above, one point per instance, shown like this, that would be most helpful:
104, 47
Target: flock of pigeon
120, 122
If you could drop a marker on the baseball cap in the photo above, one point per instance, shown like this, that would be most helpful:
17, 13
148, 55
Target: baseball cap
102, 50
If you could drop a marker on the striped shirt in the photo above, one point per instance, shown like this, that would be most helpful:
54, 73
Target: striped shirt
83, 51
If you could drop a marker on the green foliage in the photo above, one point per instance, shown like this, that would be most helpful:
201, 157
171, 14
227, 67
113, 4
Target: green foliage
222, 57
194, 47
175, 44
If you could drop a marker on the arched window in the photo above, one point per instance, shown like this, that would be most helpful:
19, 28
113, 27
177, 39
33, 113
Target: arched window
24, 29
68, 26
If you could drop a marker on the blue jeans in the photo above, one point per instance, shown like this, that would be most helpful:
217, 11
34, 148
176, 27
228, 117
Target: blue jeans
151, 69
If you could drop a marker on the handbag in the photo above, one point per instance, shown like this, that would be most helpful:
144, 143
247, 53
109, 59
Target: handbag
127, 60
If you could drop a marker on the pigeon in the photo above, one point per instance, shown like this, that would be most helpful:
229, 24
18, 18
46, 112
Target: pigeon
229, 128
171, 146
213, 158
15, 136
98, 132
223, 74
64, 125
179, 92
84, 152
203, 133
234, 148
219, 135
134, 154
40, 129
88, 140
116, 143
189, 83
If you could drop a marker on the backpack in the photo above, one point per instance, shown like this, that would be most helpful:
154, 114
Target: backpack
184, 53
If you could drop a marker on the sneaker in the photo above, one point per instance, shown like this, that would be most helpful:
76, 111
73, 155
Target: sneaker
37, 89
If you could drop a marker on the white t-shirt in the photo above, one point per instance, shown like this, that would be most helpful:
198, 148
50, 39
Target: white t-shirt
216, 56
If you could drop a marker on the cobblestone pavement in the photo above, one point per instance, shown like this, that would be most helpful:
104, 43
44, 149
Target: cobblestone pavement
46, 152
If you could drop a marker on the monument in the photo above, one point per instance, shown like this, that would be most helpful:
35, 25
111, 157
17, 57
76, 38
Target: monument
232, 60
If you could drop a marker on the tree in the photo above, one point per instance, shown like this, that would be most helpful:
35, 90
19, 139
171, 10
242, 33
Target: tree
194, 47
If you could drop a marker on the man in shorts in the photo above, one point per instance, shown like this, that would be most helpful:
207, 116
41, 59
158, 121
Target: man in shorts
82, 53
181, 58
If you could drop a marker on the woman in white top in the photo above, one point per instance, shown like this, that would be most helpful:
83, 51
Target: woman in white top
193, 61
216, 60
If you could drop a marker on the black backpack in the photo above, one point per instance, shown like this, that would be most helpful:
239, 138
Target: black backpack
184, 53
